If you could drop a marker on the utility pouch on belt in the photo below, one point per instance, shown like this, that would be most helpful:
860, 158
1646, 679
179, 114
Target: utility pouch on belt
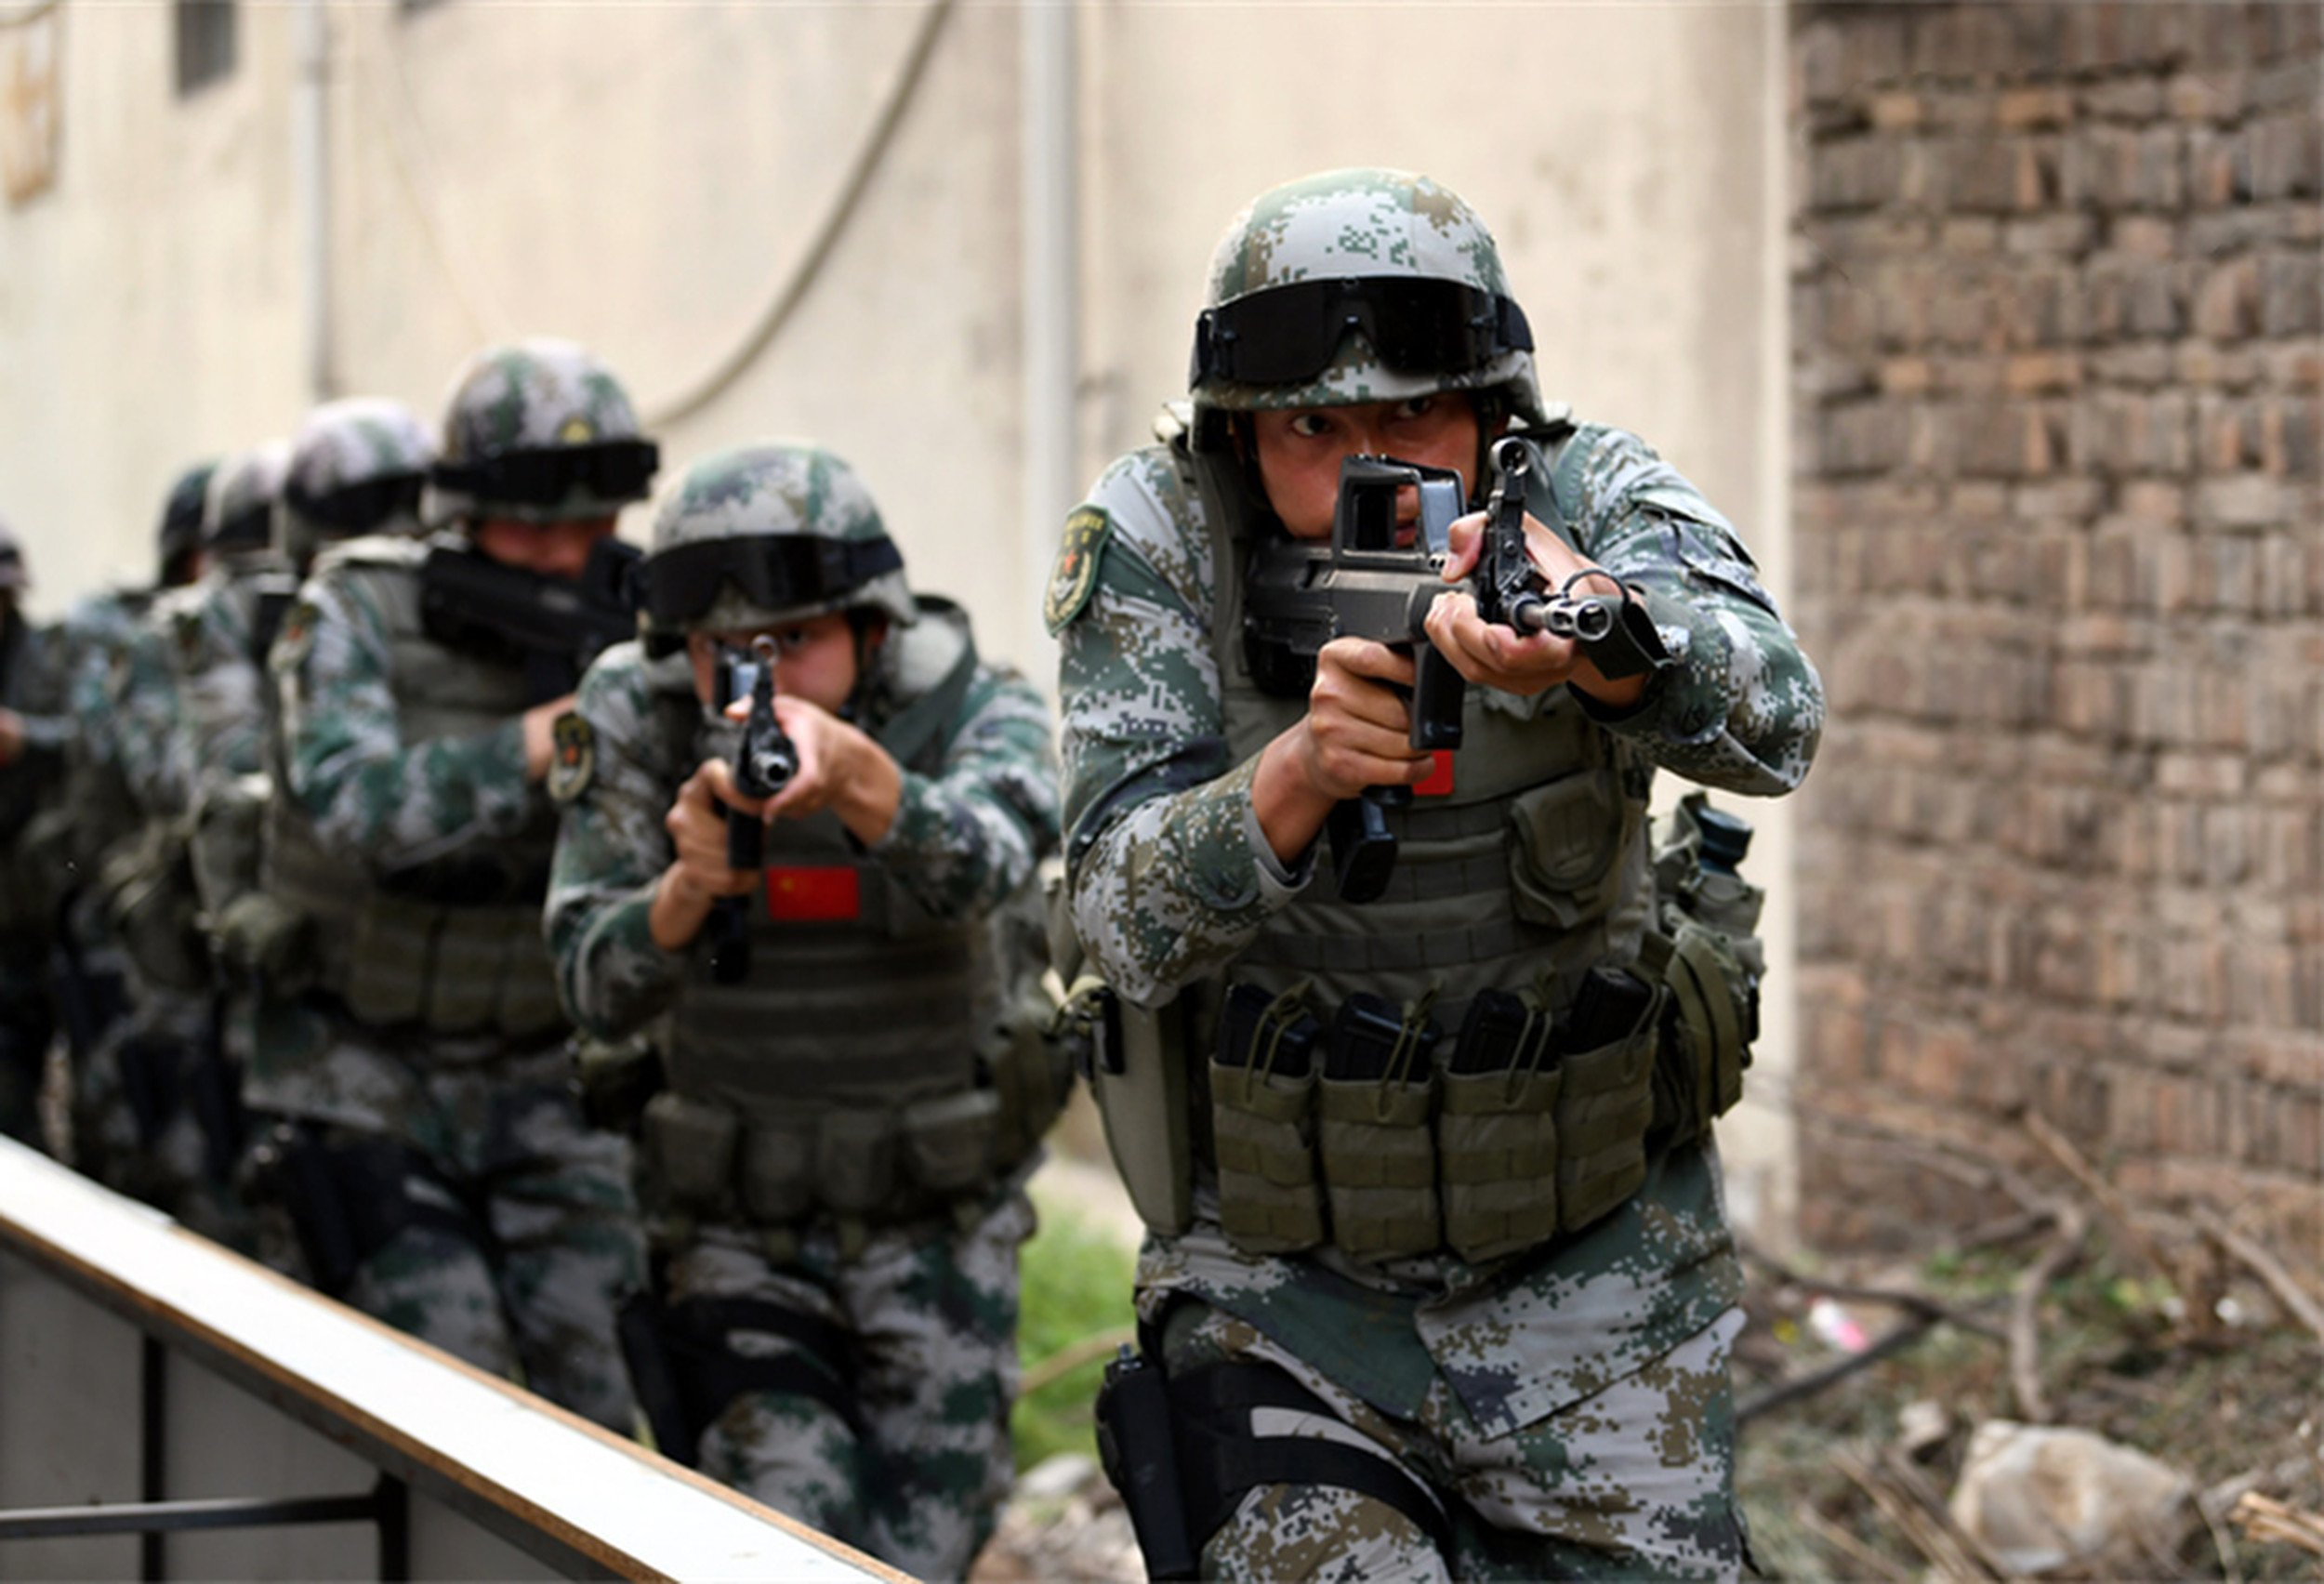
1708, 957
855, 1160
1263, 1086
1497, 1128
690, 1150
949, 1141
1607, 1051
1378, 1156
777, 1172
1140, 1087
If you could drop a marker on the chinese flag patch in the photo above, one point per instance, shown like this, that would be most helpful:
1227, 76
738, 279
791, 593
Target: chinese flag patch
1440, 780
813, 895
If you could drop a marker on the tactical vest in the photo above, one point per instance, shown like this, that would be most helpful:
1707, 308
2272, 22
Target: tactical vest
452, 946
1397, 1079
867, 1069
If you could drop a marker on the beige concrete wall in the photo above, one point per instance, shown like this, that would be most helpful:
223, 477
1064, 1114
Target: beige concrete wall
644, 177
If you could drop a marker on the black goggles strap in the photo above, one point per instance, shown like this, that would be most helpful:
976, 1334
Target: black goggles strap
774, 572
1290, 333
621, 469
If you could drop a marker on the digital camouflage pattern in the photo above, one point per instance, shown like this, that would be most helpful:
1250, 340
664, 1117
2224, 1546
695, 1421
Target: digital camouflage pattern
358, 440
1629, 1483
558, 1212
915, 1475
31, 686
919, 1479
1361, 222
498, 1124
535, 395
784, 487
1573, 1401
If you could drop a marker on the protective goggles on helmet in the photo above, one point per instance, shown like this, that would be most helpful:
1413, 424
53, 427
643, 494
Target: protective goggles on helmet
774, 572
1288, 335
609, 469
357, 507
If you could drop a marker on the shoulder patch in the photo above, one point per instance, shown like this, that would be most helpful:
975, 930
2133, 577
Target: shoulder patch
296, 640
572, 758
1076, 574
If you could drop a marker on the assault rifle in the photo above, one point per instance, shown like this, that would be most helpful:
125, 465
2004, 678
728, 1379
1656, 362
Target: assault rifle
764, 762
553, 627
1298, 596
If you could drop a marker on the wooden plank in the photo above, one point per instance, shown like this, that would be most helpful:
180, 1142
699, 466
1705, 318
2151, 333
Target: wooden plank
581, 1497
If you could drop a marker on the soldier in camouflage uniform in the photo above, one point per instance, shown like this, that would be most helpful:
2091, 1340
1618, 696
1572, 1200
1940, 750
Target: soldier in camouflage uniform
834, 1175
1440, 1278
98, 819
356, 467
157, 1108
428, 1152
33, 734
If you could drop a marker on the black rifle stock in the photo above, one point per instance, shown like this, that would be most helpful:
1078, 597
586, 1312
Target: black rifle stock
553, 627
764, 762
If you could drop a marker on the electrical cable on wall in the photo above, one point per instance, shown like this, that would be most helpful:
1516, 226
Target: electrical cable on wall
780, 307
417, 169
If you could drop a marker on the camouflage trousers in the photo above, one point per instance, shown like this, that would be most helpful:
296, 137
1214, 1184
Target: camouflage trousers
135, 1125
25, 1026
506, 1233
917, 1474
1636, 1481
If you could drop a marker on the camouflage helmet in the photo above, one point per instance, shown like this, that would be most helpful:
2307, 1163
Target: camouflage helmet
180, 528
356, 467
768, 534
540, 432
238, 506
1358, 285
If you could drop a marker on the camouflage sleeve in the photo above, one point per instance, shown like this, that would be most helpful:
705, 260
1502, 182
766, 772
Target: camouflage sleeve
1170, 875
612, 848
375, 799
968, 836
1743, 708
99, 630
221, 710
143, 697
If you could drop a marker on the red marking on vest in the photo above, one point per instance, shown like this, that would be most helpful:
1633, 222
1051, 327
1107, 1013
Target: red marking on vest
1440, 781
813, 895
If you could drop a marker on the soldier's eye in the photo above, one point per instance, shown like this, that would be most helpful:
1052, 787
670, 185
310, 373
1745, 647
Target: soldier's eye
1416, 407
1310, 425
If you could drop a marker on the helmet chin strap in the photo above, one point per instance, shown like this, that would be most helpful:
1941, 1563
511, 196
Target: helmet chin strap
868, 628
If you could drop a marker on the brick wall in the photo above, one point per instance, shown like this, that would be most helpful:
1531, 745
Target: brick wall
2060, 541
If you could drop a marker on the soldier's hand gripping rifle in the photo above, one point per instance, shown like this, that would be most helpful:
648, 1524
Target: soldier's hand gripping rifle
764, 762
1299, 597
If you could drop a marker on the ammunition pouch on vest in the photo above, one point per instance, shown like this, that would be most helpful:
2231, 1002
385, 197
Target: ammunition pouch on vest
147, 897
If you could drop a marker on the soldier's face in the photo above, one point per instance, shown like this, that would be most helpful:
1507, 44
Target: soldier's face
813, 659
1299, 452
553, 549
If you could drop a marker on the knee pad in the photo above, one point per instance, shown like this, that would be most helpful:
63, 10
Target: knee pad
686, 1370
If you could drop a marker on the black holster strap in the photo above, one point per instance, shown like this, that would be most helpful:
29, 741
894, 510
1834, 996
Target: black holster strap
1220, 1460
714, 1375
